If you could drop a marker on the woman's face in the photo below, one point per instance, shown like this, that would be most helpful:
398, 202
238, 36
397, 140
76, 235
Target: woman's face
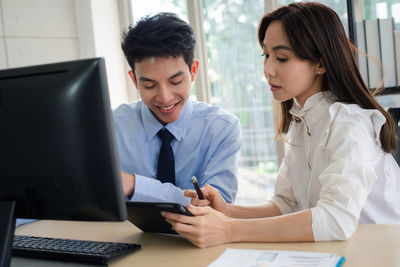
288, 75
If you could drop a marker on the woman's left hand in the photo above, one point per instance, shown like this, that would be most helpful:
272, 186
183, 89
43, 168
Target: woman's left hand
206, 228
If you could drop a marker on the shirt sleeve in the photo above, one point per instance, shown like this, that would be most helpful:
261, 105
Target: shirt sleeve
283, 194
354, 150
222, 167
24, 221
152, 190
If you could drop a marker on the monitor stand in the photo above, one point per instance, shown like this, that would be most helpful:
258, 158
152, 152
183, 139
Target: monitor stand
7, 228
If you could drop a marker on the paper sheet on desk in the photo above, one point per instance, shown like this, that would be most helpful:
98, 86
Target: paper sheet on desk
276, 258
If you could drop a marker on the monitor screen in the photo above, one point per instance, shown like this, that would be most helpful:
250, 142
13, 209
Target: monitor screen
58, 156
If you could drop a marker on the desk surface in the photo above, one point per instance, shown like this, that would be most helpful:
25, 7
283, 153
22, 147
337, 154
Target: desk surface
371, 245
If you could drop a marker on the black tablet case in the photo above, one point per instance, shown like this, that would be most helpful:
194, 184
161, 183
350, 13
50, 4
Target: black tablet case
147, 215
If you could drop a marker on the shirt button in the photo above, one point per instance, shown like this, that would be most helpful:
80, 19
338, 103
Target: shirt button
297, 119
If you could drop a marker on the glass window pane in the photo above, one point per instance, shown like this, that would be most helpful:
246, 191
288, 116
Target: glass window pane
373, 9
340, 7
141, 8
238, 85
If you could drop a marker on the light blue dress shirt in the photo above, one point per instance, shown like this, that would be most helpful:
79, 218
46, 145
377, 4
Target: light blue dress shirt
206, 145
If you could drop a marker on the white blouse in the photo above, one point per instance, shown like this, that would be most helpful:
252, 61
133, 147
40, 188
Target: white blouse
334, 165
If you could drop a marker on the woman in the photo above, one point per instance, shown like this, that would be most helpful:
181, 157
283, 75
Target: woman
337, 171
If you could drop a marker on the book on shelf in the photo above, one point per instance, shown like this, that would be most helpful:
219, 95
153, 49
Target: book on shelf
362, 59
387, 48
373, 51
397, 53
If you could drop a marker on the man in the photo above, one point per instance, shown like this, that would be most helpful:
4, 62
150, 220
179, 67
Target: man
205, 140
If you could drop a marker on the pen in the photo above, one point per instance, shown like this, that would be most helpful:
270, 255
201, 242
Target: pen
196, 186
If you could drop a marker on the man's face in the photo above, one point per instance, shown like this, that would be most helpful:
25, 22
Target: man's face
164, 85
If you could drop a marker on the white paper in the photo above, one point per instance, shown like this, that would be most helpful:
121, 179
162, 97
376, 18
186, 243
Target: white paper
274, 258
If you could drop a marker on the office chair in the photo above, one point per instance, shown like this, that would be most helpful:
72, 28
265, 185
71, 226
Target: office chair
395, 112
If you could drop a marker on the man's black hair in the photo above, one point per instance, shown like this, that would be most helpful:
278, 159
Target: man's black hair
163, 34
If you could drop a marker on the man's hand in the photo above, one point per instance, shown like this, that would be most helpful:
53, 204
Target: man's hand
128, 183
212, 198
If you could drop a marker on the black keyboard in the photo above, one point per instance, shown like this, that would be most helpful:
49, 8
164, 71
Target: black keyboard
94, 252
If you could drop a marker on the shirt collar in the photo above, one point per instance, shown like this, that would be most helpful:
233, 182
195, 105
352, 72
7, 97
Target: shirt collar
310, 108
177, 128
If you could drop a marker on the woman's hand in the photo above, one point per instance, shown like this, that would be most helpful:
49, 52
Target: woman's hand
212, 198
207, 228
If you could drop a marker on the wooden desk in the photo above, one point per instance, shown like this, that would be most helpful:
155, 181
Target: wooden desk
371, 245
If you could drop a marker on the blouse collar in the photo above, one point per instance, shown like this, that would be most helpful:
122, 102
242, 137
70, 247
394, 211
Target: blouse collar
314, 106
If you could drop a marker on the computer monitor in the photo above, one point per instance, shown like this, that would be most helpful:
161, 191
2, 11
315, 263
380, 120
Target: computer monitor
58, 156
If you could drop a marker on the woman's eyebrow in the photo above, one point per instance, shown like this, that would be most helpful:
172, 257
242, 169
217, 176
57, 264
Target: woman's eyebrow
279, 47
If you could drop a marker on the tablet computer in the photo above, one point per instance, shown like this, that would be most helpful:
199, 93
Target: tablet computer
147, 215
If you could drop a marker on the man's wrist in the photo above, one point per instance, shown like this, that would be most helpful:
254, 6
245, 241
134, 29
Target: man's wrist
132, 191
128, 183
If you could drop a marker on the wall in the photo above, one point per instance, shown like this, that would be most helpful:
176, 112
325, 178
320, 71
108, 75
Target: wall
3, 59
36, 32
45, 31
100, 34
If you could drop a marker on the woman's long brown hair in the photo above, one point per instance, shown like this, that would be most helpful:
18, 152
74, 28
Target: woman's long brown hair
315, 32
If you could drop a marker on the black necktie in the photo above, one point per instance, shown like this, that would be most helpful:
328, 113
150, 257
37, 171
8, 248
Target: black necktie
166, 161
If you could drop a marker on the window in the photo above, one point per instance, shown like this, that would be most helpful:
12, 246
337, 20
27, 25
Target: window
141, 8
372, 9
238, 85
